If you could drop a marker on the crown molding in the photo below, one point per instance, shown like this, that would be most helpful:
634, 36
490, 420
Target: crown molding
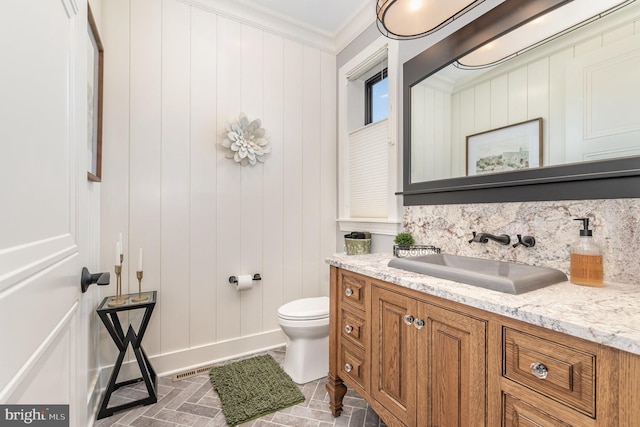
272, 22
355, 25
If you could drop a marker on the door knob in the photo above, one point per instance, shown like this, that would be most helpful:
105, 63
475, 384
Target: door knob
87, 279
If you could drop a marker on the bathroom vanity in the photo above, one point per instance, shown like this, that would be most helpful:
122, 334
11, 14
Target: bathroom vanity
425, 351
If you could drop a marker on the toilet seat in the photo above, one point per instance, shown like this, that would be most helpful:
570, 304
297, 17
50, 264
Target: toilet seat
305, 309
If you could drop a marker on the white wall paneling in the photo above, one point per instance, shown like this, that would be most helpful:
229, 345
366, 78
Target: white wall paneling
273, 214
431, 118
229, 222
293, 185
250, 205
203, 202
199, 216
328, 164
311, 163
499, 107
176, 144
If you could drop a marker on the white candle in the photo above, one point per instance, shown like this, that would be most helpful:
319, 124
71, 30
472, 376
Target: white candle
140, 260
120, 243
117, 253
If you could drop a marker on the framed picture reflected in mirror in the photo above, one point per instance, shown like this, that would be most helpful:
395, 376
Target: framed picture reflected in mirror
509, 148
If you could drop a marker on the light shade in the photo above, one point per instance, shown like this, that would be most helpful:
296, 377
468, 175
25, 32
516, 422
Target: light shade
410, 19
541, 30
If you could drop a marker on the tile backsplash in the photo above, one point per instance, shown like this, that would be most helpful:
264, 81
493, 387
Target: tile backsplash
615, 224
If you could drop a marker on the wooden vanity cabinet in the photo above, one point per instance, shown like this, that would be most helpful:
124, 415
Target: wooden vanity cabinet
423, 361
410, 359
428, 363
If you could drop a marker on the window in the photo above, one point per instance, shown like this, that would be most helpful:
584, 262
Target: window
376, 92
367, 162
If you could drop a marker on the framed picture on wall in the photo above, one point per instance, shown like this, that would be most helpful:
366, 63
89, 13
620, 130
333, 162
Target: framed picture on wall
508, 148
95, 69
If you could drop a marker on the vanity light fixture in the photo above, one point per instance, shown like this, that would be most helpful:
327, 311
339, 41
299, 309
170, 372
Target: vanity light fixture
539, 31
410, 19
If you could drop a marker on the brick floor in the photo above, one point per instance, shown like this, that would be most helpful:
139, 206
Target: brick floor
193, 402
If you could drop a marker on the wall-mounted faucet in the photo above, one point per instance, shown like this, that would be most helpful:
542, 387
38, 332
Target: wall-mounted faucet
526, 241
503, 239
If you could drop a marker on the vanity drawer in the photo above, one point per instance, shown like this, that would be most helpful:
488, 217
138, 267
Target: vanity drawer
353, 366
516, 413
353, 328
353, 290
562, 373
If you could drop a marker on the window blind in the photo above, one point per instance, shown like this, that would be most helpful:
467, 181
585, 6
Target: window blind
368, 171
373, 62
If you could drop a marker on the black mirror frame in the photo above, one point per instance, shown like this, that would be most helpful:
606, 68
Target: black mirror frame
607, 179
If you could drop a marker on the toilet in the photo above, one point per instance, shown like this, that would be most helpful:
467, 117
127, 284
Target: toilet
306, 323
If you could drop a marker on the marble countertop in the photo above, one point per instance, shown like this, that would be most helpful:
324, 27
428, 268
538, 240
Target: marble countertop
609, 315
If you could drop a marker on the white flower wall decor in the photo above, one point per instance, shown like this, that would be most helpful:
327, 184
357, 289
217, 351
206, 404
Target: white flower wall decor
246, 141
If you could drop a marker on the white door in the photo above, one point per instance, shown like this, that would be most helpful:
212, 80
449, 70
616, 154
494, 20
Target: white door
47, 222
602, 109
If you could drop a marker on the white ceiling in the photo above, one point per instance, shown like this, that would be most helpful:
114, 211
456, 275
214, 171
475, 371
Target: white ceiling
326, 16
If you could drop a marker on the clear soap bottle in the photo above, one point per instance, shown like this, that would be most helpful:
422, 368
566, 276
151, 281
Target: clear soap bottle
586, 259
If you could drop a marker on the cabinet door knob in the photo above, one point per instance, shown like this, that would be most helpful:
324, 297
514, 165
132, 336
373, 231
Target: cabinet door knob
539, 370
348, 292
408, 319
348, 329
348, 367
419, 323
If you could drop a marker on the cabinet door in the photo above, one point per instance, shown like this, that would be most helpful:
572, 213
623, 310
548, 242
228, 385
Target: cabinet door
393, 368
452, 356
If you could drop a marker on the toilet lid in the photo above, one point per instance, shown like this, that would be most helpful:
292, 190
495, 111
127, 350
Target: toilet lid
306, 308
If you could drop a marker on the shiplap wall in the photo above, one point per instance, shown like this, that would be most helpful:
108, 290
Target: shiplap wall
174, 75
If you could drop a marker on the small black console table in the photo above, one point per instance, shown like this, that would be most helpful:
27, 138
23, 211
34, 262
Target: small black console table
108, 311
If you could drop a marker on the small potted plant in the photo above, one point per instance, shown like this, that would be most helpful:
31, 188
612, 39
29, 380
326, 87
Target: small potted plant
404, 239
405, 245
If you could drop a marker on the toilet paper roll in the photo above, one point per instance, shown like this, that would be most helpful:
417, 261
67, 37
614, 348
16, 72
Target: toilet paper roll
245, 282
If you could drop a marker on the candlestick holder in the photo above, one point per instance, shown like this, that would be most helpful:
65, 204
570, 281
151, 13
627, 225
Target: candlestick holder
140, 297
118, 299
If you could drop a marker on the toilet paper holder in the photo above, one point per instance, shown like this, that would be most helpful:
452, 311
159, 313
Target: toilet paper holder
233, 279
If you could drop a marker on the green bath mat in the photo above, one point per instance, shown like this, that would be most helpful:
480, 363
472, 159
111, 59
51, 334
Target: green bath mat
253, 387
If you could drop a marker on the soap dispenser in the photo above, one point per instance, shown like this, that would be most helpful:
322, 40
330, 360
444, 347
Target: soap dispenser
586, 259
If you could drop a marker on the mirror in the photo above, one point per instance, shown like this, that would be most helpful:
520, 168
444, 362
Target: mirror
464, 129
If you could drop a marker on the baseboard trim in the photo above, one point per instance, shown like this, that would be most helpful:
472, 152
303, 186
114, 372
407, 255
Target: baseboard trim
194, 358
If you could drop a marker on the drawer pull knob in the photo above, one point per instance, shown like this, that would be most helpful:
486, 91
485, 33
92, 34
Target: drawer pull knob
348, 329
408, 319
348, 367
419, 323
348, 292
539, 370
